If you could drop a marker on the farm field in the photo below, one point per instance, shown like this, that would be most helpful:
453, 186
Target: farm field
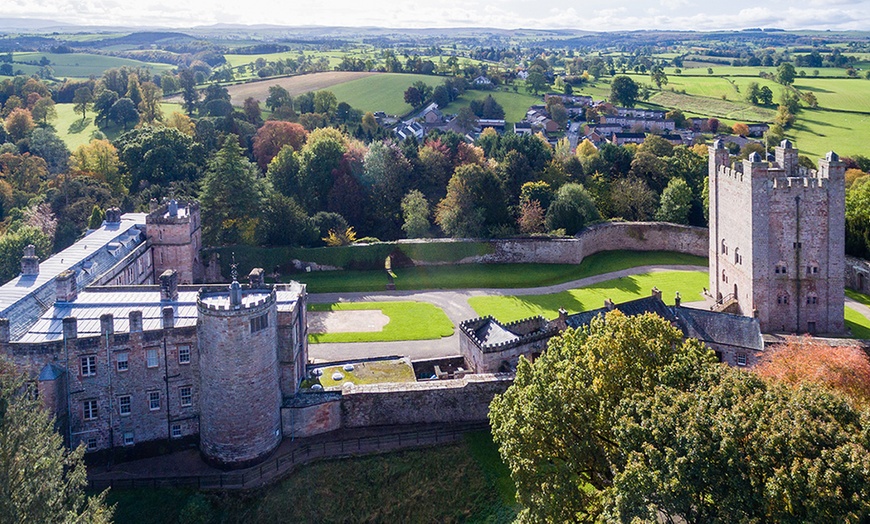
817, 131
295, 85
80, 65
511, 308
515, 104
381, 91
408, 321
721, 109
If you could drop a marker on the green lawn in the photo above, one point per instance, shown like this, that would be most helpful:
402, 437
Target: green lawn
383, 92
506, 276
408, 321
817, 131
75, 132
373, 372
857, 323
858, 297
722, 109
462, 482
515, 104
81, 65
511, 308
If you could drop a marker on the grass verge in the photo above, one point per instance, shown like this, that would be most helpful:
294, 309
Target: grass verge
857, 323
408, 321
510, 308
506, 276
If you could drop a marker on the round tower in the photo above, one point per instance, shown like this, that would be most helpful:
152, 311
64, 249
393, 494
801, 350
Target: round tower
240, 405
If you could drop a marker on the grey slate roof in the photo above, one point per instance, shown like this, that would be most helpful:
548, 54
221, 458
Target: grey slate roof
720, 328
631, 308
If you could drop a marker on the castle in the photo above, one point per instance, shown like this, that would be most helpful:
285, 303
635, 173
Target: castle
126, 351
777, 239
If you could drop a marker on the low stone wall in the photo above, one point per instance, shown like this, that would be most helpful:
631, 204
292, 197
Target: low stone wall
441, 401
311, 414
857, 274
608, 236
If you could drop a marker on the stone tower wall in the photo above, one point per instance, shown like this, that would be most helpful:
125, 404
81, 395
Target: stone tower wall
240, 417
176, 242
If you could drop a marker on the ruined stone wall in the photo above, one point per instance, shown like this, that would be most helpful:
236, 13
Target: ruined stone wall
440, 401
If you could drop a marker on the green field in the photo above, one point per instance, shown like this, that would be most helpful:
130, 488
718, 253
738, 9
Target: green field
80, 65
511, 308
506, 276
713, 107
75, 132
857, 323
515, 104
408, 321
817, 131
382, 92
462, 482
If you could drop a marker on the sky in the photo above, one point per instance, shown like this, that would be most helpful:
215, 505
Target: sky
508, 14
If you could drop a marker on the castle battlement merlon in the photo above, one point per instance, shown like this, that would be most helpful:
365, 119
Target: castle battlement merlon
202, 300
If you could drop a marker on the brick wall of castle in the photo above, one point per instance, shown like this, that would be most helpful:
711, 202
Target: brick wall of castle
176, 242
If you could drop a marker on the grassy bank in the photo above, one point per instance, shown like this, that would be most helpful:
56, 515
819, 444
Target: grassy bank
463, 482
408, 321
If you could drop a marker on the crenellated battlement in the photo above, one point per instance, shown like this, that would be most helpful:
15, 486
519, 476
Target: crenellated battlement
730, 172
800, 182
220, 301
523, 332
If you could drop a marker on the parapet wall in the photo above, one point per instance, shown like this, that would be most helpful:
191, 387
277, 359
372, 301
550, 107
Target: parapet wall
609, 236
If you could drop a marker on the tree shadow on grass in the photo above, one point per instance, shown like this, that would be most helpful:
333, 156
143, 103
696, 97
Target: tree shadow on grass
78, 126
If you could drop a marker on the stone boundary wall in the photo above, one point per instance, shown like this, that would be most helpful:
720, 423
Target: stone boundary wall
857, 273
608, 236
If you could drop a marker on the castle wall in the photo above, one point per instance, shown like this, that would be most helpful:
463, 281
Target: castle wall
176, 241
321, 415
441, 401
137, 268
240, 418
857, 274
292, 348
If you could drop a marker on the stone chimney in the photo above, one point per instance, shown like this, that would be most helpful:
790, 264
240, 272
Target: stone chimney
608, 304
135, 321
153, 205
168, 317
169, 285
656, 293
677, 299
255, 278
30, 262
563, 315
107, 324
173, 208
65, 286
5, 334
70, 328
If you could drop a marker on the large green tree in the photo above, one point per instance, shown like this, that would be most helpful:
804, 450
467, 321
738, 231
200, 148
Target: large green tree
623, 91
232, 197
571, 210
40, 480
676, 202
159, 155
474, 205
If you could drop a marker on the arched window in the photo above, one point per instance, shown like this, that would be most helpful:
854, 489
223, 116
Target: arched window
724, 247
737, 256
724, 278
812, 299
812, 269
780, 268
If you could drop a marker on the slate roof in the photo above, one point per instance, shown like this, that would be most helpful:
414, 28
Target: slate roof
720, 328
631, 308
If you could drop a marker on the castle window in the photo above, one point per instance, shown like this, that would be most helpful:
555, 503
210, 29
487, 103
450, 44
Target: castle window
780, 268
741, 359
151, 358
184, 354
724, 247
259, 323
724, 278
128, 438
813, 269
185, 393
782, 299
124, 403
89, 366
737, 256
153, 400
176, 431
812, 299
122, 361
92, 444
89, 409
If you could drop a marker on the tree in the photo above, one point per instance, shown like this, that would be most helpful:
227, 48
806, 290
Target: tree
325, 103
531, 219
189, 94
273, 136
231, 197
785, 74
474, 203
102, 105
181, 122
97, 217
413, 97
99, 159
466, 119
386, 176
82, 100
134, 91
740, 129
278, 96
623, 91
283, 172
149, 106
658, 76
159, 155
415, 211
19, 123
252, 111
45, 143
555, 425
12, 246
765, 96
632, 199
124, 112
676, 202
43, 481
536, 82
43, 110
319, 157
571, 209
857, 218
369, 123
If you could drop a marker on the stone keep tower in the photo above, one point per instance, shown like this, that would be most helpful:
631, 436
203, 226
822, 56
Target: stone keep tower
240, 405
777, 239
175, 234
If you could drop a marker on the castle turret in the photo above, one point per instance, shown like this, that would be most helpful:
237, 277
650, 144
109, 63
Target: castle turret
175, 235
240, 407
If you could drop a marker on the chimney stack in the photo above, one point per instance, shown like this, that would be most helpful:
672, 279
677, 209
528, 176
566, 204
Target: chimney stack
255, 278
65, 286
30, 262
656, 293
677, 299
5, 334
153, 205
168, 317
135, 321
107, 324
70, 328
169, 286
